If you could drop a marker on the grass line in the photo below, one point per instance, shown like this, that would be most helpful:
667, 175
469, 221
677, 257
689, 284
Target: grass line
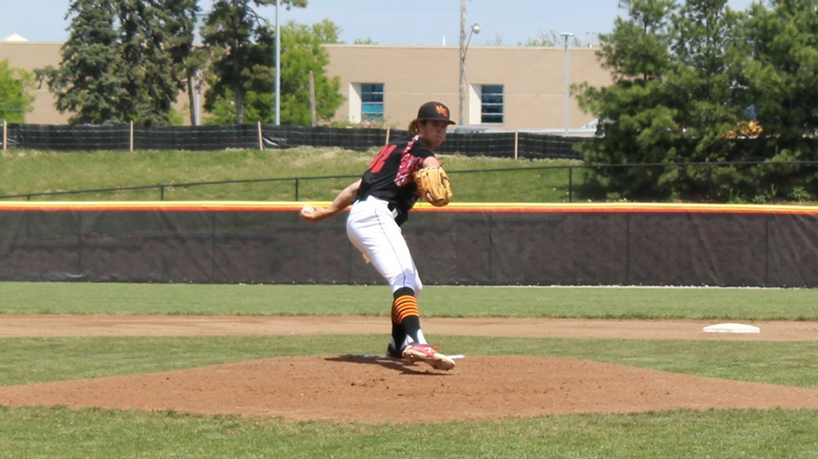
436, 301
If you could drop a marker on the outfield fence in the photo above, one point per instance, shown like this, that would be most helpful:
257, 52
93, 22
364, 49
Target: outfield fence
568, 244
130, 137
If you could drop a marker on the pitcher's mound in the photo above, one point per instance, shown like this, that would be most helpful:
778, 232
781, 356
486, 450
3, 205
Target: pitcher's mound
385, 390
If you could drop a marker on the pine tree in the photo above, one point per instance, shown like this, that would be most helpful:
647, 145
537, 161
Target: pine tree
705, 96
180, 24
780, 74
149, 72
124, 60
87, 82
636, 116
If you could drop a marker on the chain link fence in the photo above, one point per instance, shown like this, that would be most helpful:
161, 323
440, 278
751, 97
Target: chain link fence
546, 184
263, 136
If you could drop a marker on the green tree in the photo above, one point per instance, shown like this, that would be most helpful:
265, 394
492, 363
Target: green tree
179, 20
781, 73
637, 120
702, 78
15, 95
239, 41
302, 51
151, 83
550, 38
87, 81
542, 39
364, 41
123, 60
705, 96
683, 93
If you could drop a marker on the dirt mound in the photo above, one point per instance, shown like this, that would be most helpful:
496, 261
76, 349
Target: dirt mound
384, 390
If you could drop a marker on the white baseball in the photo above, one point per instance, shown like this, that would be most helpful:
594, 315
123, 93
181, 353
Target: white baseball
307, 210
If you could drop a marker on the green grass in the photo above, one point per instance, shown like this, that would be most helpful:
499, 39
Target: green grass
94, 433
435, 301
35, 171
62, 432
31, 360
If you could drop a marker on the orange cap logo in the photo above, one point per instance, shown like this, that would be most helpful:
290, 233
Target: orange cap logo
442, 110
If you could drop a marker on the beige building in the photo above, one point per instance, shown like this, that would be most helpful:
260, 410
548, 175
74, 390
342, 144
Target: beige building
508, 88
28, 56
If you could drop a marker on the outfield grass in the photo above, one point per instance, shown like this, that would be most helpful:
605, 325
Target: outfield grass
435, 301
35, 172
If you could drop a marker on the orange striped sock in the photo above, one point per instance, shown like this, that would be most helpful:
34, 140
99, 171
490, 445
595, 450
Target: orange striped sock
403, 307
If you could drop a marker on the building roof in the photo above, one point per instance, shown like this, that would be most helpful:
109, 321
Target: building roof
14, 37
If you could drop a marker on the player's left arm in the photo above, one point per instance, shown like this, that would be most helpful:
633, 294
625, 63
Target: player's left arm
341, 202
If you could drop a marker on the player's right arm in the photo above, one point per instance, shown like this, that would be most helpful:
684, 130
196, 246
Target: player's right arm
341, 202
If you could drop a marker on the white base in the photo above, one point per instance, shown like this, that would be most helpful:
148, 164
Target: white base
731, 328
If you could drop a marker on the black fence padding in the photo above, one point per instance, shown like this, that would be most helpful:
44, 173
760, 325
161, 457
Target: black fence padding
500, 144
537, 146
62, 137
468, 248
246, 136
196, 138
350, 139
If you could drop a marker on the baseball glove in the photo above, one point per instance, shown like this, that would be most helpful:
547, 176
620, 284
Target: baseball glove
434, 185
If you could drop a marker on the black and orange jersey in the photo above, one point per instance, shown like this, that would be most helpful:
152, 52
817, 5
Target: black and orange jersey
390, 176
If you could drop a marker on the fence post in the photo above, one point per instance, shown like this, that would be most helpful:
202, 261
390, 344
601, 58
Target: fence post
710, 182
131, 137
296, 189
161, 192
570, 184
5, 135
387, 135
260, 142
516, 144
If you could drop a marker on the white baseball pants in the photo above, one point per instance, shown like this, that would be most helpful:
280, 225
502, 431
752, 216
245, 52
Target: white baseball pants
372, 229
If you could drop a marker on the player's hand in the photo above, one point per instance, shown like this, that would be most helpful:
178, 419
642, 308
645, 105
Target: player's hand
308, 213
311, 214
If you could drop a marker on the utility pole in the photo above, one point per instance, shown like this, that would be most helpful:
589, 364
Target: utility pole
278, 67
567, 77
462, 109
464, 47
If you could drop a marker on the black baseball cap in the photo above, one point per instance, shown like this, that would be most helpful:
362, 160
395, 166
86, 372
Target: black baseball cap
434, 111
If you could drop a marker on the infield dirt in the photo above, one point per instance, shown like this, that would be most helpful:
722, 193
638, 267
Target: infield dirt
368, 389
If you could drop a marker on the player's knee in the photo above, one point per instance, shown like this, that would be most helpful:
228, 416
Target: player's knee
406, 280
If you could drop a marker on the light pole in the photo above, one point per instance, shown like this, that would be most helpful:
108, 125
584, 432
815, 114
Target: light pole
567, 77
464, 46
197, 91
278, 67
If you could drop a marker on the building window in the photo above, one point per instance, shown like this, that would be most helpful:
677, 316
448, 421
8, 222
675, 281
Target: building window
372, 102
491, 104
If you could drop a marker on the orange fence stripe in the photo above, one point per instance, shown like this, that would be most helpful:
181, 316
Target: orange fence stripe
290, 206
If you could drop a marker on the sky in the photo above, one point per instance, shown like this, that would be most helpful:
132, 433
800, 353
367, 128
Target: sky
386, 22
